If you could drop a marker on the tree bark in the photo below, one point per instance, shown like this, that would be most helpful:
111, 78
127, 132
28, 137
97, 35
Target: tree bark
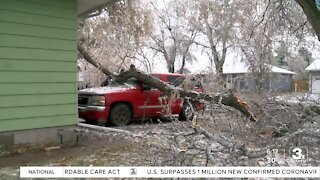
232, 99
90, 58
313, 14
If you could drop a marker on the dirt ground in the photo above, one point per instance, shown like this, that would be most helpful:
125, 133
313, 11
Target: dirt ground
98, 148
66, 155
40, 155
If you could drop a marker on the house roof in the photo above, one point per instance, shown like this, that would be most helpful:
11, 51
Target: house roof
276, 69
89, 6
235, 66
314, 66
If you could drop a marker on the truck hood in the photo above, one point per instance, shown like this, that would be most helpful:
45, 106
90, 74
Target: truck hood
105, 90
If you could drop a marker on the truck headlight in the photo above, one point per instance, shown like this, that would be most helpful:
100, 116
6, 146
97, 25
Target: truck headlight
98, 100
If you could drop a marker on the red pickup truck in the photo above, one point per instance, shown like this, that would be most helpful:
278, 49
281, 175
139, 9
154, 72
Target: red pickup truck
121, 103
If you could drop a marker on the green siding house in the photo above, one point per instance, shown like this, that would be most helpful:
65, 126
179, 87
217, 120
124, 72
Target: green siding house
38, 66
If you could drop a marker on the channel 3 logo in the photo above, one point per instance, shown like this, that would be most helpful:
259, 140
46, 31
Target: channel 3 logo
298, 154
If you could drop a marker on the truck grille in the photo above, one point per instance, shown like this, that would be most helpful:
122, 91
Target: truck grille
83, 100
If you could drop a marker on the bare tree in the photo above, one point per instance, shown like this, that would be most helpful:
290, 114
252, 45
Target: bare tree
266, 28
173, 40
115, 36
256, 56
217, 22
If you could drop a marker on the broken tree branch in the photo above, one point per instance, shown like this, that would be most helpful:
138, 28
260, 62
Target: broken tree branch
232, 99
90, 58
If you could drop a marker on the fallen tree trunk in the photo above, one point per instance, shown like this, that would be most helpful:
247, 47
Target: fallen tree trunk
90, 58
231, 99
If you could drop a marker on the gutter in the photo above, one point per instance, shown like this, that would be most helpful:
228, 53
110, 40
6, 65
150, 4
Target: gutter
91, 13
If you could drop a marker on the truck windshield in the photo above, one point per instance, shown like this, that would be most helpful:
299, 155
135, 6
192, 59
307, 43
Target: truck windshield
132, 82
176, 80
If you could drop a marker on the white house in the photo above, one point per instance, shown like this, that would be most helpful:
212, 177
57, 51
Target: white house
238, 74
314, 78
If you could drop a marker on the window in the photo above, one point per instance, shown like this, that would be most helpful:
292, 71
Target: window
175, 80
133, 82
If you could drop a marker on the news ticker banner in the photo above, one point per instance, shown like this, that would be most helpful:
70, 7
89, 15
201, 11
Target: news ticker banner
168, 172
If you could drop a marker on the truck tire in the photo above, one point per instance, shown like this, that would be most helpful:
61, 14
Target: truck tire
120, 114
187, 113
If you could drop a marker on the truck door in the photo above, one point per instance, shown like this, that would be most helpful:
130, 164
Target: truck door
152, 106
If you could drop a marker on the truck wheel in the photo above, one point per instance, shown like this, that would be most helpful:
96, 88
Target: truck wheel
120, 114
187, 112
